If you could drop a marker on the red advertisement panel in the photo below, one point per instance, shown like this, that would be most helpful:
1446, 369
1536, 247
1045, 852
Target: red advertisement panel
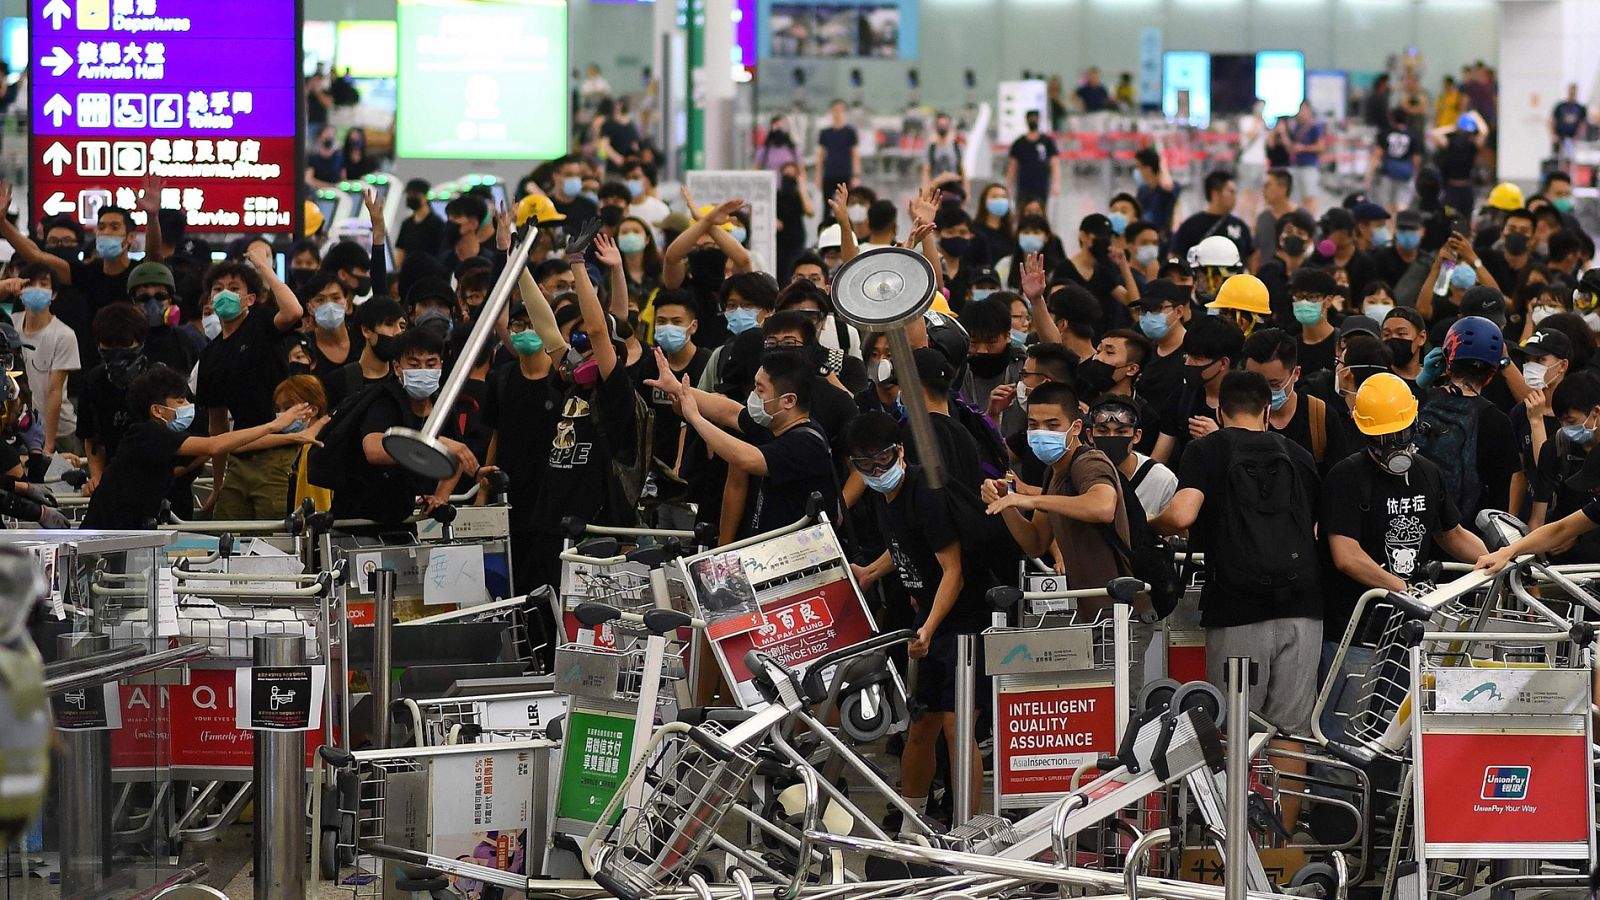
1505, 788
1043, 735
799, 629
194, 720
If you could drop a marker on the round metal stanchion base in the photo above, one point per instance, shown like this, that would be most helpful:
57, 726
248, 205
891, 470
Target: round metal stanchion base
421, 454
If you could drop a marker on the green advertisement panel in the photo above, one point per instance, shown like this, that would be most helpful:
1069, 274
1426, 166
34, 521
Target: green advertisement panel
482, 79
594, 762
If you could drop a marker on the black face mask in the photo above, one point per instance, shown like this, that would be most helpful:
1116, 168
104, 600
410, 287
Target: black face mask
299, 368
1294, 245
1115, 447
611, 216
706, 266
1194, 377
988, 365
1097, 376
363, 285
954, 246
70, 254
413, 202
298, 277
789, 185
1100, 246
452, 233
123, 364
1402, 350
942, 130
385, 347
1516, 243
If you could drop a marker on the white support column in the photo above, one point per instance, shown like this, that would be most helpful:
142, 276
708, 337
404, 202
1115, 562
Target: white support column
718, 83
1544, 46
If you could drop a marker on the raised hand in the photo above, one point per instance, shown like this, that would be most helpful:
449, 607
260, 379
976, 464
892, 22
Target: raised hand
605, 250
1033, 280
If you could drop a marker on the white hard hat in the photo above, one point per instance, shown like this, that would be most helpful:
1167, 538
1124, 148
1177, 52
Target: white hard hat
831, 237
1215, 250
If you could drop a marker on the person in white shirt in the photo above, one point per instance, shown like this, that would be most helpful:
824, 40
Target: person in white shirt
1114, 430
594, 88
50, 353
640, 177
1252, 159
882, 224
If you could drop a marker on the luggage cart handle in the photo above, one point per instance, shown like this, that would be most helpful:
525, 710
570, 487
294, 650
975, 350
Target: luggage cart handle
659, 622
316, 589
812, 687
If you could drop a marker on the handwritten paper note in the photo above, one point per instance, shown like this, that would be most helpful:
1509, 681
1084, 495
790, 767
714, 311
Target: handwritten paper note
454, 575
166, 603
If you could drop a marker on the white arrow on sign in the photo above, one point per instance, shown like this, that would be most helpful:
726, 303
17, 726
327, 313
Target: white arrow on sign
58, 204
55, 11
59, 61
56, 107
56, 157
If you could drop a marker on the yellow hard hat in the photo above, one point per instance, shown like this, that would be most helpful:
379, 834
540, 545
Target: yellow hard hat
1505, 196
941, 304
1245, 293
313, 220
1384, 405
539, 208
707, 210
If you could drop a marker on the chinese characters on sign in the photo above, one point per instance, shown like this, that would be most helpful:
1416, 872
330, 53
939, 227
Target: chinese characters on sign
125, 89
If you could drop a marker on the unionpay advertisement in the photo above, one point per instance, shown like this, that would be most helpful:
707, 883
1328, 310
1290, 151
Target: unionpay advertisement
482, 79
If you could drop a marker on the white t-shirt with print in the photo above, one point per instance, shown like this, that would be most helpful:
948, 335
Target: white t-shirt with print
55, 349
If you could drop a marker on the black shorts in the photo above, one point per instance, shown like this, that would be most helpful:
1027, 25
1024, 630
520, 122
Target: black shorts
935, 690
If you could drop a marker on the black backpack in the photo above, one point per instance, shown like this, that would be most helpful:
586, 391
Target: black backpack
329, 463
1144, 554
986, 537
1265, 542
1447, 434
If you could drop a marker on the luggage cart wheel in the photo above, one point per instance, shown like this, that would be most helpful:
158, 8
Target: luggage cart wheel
1320, 874
1157, 694
865, 722
1204, 696
328, 854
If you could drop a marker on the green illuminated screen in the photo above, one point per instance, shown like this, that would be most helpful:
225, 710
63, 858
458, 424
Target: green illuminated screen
482, 79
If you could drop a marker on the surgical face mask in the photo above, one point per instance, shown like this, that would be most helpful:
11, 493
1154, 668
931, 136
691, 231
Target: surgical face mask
635, 187
1408, 239
109, 247
329, 316
211, 325
1378, 311
1380, 236
527, 343
857, 213
182, 417
1022, 392
739, 233
293, 427
1154, 325
1030, 243
672, 338
1580, 433
1119, 222
981, 294
1281, 397
420, 384
740, 319
571, 187
1019, 338
1145, 254
36, 299
1540, 313
998, 206
1562, 204
631, 243
887, 481
227, 305
1463, 277
757, 408
1049, 446
1307, 312
1534, 374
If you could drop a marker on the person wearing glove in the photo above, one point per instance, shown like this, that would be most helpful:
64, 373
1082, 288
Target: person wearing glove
38, 493
1432, 368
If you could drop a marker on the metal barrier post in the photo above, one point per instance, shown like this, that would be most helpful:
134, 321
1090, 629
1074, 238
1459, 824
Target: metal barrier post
966, 714
84, 785
382, 684
1237, 675
280, 774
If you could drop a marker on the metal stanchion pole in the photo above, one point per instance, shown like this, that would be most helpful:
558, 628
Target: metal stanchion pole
280, 774
382, 653
84, 784
1235, 875
966, 725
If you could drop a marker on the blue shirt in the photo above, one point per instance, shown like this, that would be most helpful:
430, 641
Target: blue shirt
1307, 134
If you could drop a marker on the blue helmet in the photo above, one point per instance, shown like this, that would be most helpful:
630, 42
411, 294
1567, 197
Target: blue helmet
1475, 338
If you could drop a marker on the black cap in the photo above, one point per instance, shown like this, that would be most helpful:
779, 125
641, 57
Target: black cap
987, 275
1359, 325
1163, 290
931, 365
1367, 211
1483, 300
1549, 342
1408, 220
1351, 201
430, 287
1095, 223
1337, 219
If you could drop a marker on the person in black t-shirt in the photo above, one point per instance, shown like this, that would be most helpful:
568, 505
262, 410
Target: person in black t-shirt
130, 492
1032, 168
777, 440
675, 328
380, 322
103, 415
237, 375
1294, 414
922, 528
381, 489
152, 289
838, 151
422, 232
104, 280
1210, 348
567, 195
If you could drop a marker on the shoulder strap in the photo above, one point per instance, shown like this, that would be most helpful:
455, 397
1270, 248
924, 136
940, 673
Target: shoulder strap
1318, 412
1141, 473
1108, 530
